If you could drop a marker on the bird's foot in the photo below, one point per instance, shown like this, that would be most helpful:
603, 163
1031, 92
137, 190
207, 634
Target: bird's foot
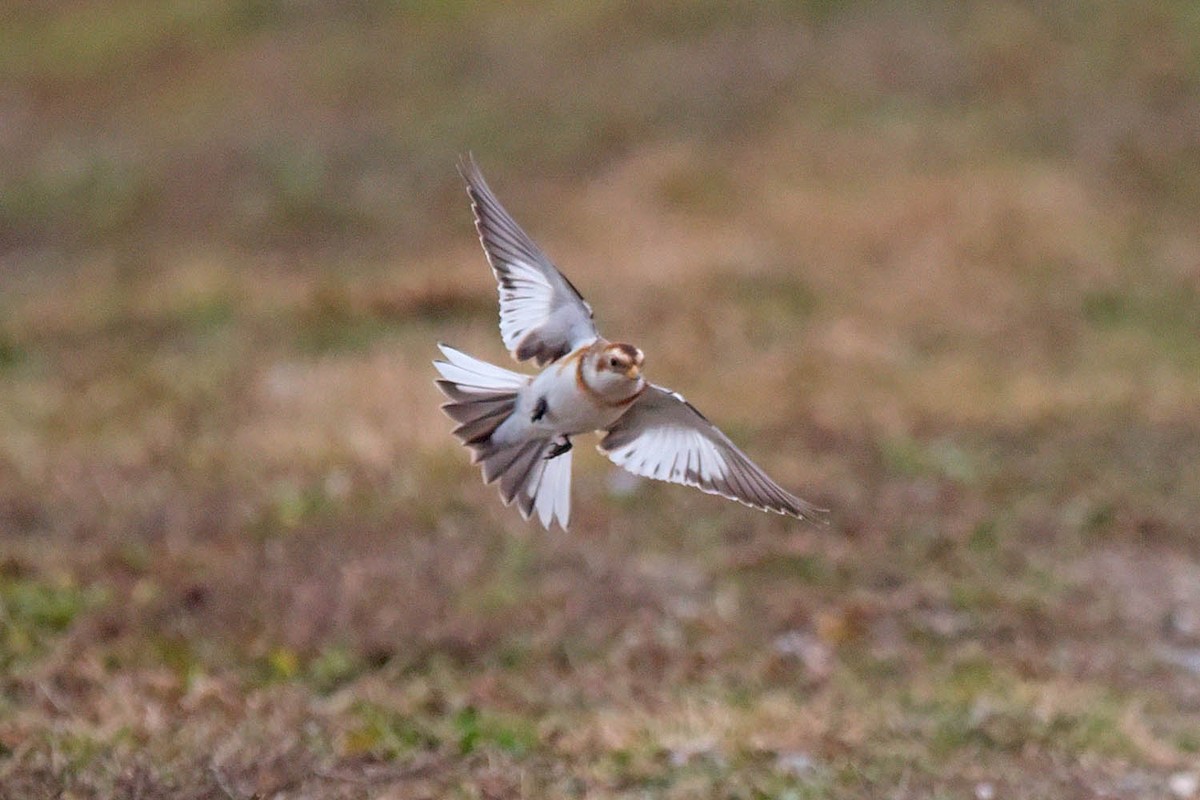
561, 445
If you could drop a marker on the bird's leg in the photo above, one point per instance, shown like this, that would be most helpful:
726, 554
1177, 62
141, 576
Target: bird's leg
562, 444
539, 410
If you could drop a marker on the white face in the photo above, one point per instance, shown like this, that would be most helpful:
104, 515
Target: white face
616, 371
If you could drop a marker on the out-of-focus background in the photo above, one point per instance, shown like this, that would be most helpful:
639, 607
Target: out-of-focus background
935, 266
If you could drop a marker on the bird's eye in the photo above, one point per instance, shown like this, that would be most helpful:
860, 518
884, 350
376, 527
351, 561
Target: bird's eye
612, 362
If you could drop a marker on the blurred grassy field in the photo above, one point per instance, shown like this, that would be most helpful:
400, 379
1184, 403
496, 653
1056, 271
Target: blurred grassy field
936, 266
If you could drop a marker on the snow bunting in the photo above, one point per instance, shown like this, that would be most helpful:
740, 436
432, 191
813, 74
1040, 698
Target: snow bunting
519, 426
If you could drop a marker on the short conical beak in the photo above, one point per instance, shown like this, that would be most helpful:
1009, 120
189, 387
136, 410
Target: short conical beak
633, 372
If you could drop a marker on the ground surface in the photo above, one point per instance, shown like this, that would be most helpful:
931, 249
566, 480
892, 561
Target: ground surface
937, 271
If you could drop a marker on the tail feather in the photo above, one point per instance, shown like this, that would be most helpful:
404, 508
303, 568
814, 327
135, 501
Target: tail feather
472, 374
481, 397
460, 395
546, 487
475, 431
527, 494
552, 495
499, 460
520, 472
482, 406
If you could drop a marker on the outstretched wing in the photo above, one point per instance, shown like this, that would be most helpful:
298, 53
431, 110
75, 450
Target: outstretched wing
542, 316
662, 436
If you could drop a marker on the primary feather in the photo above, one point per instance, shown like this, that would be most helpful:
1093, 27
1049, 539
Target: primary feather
542, 315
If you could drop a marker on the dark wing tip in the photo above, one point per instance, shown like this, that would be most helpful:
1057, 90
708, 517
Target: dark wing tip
792, 506
467, 165
775, 498
802, 509
490, 216
472, 176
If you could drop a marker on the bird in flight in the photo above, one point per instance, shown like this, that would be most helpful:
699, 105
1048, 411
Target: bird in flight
519, 427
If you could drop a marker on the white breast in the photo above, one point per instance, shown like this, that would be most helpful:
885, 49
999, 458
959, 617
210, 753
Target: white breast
571, 409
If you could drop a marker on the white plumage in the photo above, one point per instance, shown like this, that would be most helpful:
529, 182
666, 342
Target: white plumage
519, 427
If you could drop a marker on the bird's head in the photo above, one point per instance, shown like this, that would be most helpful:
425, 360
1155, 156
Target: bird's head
622, 359
613, 371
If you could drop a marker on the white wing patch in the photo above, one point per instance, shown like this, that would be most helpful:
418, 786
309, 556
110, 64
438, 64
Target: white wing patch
672, 454
663, 437
524, 305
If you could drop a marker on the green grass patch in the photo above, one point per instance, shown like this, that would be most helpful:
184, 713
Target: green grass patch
33, 612
984, 706
179, 654
983, 539
1166, 318
339, 317
508, 581
386, 733
476, 729
1188, 742
207, 314
808, 568
332, 667
389, 733
329, 328
87, 193
293, 504
941, 458
11, 352
323, 672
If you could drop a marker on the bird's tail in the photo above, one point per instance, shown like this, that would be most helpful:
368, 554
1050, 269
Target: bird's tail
482, 396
